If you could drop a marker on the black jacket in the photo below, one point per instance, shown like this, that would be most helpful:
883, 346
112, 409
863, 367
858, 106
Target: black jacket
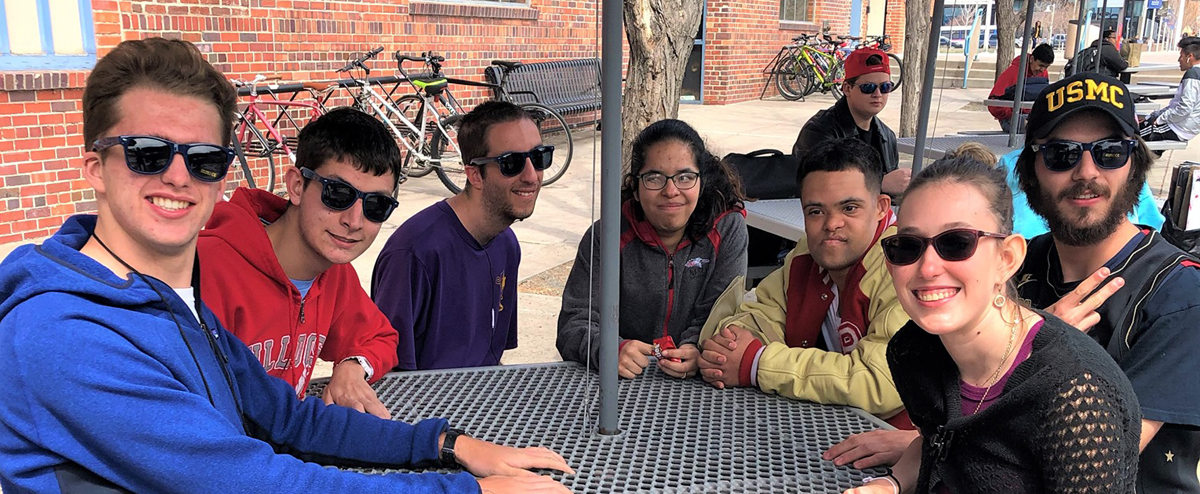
1067, 420
836, 122
1110, 59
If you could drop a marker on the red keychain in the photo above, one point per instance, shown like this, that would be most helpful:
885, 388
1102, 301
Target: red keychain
664, 343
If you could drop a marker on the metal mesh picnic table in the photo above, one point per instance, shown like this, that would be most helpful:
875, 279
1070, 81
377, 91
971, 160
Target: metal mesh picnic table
676, 435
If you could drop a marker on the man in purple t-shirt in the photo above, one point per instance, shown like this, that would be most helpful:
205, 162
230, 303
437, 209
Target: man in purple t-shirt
447, 279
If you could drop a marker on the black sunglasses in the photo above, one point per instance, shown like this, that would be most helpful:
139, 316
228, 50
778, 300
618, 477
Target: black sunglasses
511, 164
952, 245
870, 87
1061, 156
149, 155
339, 196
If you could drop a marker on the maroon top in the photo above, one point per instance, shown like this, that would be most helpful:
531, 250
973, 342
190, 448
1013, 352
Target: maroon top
972, 394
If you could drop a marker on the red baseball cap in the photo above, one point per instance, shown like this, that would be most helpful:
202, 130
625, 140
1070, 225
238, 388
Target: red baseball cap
856, 63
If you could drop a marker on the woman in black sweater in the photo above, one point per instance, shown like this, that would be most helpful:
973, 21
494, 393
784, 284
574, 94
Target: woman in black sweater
1007, 399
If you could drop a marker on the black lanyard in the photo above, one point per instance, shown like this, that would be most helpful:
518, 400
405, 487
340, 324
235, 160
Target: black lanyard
222, 359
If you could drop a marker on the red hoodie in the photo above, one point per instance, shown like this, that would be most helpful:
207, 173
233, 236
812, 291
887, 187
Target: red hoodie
1008, 79
246, 287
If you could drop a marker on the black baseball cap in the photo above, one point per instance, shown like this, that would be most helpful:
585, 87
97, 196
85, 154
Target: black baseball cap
1082, 91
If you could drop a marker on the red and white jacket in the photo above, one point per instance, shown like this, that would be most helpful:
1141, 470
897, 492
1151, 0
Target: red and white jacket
243, 283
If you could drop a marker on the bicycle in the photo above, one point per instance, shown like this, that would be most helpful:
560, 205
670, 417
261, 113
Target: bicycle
881, 42
277, 136
811, 64
431, 91
814, 63
552, 127
417, 140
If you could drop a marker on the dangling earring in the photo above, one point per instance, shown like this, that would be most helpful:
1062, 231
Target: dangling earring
999, 300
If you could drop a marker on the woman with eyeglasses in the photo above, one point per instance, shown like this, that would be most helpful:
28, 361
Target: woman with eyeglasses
683, 240
1007, 399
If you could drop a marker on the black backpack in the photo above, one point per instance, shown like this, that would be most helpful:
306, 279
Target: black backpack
1084, 61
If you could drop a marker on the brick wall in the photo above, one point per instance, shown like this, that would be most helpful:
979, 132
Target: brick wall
745, 35
40, 119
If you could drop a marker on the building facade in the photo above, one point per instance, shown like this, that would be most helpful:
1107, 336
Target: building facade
48, 46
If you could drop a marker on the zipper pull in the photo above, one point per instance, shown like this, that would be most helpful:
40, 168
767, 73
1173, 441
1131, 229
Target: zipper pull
301, 311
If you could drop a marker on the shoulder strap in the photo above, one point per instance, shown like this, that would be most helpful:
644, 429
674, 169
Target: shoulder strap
1148, 267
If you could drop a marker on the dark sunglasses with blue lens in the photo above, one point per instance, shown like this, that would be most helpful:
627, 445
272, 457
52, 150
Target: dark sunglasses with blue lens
511, 164
339, 196
870, 87
149, 155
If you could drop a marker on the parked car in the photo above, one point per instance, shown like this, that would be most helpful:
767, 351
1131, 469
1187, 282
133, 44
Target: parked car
993, 40
953, 43
1058, 41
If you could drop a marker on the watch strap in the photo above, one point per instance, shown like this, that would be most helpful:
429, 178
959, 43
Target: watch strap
446, 455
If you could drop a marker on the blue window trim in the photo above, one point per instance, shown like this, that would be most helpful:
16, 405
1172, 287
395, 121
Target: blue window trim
46, 27
4, 49
50, 61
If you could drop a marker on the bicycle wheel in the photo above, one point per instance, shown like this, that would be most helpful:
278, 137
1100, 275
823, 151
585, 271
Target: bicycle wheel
897, 70
444, 153
806, 77
256, 145
788, 81
412, 107
241, 156
555, 132
835, 79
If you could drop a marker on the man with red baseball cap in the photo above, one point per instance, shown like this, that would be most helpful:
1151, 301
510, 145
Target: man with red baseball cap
866, 87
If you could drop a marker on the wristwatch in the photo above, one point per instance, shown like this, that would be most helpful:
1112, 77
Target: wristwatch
446, 455
368, 371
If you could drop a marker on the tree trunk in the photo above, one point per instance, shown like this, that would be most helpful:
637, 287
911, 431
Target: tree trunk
1006, 26
660, 34
916, 41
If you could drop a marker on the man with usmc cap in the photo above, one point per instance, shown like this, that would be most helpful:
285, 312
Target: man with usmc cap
1122, 283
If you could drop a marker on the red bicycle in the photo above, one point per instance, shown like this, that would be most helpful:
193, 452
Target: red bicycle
268, 125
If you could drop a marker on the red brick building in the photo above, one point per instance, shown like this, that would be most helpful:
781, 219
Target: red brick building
43, 66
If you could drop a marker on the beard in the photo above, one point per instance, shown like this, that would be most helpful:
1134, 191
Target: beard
497, 201
1071, 228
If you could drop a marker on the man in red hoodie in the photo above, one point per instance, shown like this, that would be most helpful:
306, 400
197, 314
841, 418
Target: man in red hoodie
1005, 87
279, 275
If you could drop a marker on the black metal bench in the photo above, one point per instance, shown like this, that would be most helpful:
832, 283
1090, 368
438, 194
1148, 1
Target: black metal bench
567, 86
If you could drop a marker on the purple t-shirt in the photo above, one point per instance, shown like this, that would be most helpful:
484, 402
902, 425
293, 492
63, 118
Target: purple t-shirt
972, 394
453, 301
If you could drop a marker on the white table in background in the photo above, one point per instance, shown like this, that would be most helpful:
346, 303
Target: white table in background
782, 217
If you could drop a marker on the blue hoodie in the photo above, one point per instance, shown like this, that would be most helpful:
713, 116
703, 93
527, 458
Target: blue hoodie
101, 388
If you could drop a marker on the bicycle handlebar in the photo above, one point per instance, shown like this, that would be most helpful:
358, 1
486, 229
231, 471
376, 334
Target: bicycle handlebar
358, 62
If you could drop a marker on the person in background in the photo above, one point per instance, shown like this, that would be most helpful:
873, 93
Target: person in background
1007, 399
1111, 62
1180, 119
447, 278
1036, 79
683, 240
864, 94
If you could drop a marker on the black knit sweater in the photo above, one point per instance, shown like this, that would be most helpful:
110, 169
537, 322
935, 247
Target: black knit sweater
1067, 422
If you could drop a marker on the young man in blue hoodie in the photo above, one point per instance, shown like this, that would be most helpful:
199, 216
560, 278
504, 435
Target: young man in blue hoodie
119, 379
